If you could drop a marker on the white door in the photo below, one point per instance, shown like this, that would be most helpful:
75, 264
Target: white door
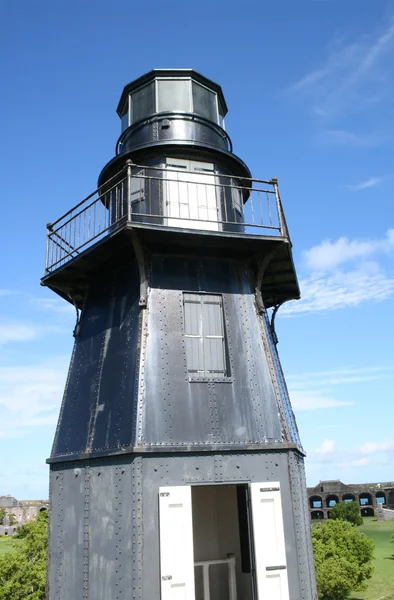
191, 195
269, 541
176, 543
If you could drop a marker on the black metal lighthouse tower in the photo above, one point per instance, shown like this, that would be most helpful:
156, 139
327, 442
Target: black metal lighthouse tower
177, 470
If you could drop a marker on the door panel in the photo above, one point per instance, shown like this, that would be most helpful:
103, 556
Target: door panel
269, 541
191, 198
176, 543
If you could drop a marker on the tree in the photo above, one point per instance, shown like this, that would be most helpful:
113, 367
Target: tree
2, 515
347, 511
11, 518
343, 558
23, 571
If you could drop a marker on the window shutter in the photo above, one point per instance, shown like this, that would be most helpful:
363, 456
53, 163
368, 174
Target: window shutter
176, 543
269, 541
204, 335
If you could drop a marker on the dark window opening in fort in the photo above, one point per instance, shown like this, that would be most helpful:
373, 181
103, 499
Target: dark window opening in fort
348, 498
365, 499
380, 498
317, 514
205, 339
367, 512
332, 500
43, 509
316, 502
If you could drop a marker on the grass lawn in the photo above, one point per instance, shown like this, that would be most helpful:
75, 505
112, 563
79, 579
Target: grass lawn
381, 586
7, 544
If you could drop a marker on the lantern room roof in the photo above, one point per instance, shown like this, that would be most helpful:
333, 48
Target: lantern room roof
171, 74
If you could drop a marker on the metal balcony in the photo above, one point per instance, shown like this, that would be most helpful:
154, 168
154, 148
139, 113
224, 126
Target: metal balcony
179, 199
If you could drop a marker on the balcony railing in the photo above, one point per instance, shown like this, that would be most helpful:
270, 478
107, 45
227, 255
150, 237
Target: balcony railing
231, 575
167, 197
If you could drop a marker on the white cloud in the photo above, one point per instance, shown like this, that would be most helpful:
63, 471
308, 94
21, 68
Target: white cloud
341, 273
331, 378
318, 390
326, 447
17, 332
351, 139
355, 75
30, 396
377, 447
322, 292
55, 305
329, 254
314, 400
365, 184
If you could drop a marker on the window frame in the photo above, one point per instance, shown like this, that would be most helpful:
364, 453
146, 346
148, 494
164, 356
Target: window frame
219, 116
206, 374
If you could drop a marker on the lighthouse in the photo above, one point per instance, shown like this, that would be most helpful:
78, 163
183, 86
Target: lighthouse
177, 471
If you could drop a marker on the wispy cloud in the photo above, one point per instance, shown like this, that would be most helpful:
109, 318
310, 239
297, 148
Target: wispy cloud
319, 390
377, 447
330, 254
355, 74
351, 139
322, 292
30, 396
17, 332
326, 447
54, 305
366, 184
341, 273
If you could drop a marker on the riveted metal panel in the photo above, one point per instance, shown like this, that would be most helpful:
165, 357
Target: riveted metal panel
73, 535
103, 556
302, 527
182, 409
98, 407
202, 470
56, 533
67, 532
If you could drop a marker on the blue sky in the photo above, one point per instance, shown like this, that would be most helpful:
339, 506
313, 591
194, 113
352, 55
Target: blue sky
310, 90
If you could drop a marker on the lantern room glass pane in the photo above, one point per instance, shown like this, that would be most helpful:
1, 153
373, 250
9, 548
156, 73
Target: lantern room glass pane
204, 102
173, 95
142, 103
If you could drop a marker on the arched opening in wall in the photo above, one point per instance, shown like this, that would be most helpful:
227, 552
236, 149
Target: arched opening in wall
317, 514
348, 498
380, 498
365, 498
332, 500
315, 502
367, 512
43, 509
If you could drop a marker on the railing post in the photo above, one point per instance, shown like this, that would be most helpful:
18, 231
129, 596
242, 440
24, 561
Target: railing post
281, 215
49, 230
129, 164
205, 574
232, 581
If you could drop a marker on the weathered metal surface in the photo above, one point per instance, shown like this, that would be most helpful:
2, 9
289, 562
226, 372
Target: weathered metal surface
134, 417
99, 411
123, 549
98, 408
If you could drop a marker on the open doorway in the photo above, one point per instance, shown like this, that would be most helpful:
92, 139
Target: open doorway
221, 542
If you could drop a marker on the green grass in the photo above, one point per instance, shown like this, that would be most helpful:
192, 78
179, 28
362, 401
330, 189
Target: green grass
7, 544
381, 585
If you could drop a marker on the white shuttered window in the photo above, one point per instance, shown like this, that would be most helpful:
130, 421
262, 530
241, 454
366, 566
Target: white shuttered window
204, 335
